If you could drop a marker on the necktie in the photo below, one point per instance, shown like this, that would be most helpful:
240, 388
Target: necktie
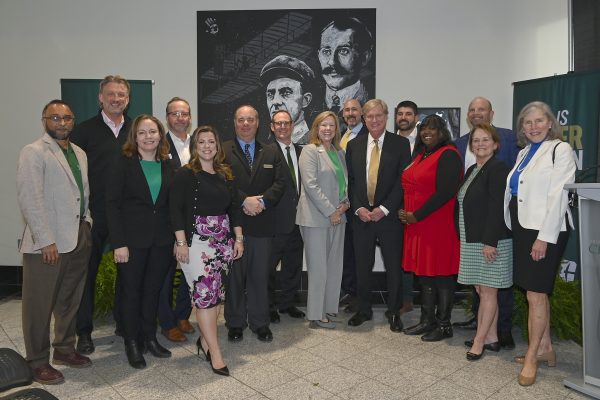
291, 166
345, 139
372, 175
335, 103
247, 153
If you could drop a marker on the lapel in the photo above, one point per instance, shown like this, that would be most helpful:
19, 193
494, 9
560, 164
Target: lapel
544, 147
173, 150
481, 172
237, 151
324, 156
257, 159
164, 185
360, 161
138, 175
385, 154
60, 156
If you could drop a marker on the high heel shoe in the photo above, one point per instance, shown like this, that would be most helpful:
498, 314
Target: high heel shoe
549, 358
527, 380
199, 346
495, 346
224, 371
475, 356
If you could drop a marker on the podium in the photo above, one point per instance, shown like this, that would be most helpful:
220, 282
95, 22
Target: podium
589, 237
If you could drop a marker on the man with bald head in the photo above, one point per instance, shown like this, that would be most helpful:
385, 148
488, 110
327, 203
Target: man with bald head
480, 110
259, 178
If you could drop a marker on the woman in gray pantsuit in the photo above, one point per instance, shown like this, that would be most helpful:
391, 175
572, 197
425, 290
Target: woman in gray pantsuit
323, 202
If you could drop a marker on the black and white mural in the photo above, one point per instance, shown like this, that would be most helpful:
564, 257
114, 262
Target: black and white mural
303, 61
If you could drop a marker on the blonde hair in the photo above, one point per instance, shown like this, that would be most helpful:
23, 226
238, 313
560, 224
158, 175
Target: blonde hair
314, 130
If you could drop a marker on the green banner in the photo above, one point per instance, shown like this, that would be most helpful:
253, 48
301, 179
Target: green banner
575, 100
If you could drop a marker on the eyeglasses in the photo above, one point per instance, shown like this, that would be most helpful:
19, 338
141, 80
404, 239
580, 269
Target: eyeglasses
179, 114
372, 117
282, 124
58, 118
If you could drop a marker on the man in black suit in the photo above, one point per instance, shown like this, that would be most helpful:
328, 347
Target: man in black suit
287, 245
257, 169
101, 137
352, 113
375, 163
174, 323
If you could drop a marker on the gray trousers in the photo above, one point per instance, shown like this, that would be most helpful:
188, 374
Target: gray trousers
53, 290
324, 249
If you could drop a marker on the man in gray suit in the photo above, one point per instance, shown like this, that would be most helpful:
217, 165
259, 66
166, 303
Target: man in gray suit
53, 193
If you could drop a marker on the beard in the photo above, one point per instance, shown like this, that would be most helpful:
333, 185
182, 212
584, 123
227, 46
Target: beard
58, 136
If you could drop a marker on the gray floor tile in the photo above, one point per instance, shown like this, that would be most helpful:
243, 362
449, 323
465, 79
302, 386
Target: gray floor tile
446, 390
297, 390
335, 379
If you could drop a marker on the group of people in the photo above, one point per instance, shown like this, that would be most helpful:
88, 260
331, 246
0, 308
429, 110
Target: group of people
230, 212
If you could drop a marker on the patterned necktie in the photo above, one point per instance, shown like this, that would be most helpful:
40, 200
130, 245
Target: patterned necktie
247, 153
373, 170
345, 139
335, 103
291, 166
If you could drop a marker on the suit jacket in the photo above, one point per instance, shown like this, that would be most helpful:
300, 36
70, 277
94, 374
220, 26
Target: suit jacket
483, 204
266, 178
320, 189
49, 197
508, 146
133, 219
101, 147
394, 157
173, 151
285, 210
542, 199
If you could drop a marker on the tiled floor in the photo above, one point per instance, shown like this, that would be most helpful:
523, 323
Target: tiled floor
369, 362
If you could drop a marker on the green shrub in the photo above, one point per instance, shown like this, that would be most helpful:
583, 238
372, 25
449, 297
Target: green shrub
105, 286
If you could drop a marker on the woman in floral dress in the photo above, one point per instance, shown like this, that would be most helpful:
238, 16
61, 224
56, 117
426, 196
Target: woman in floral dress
204, 211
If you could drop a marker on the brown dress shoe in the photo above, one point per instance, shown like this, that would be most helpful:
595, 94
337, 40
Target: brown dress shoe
174, 335
73, 359
185, 326
46, 375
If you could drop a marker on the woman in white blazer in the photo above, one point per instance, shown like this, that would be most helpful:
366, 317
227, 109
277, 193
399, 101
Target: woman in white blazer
536, 210
321, 207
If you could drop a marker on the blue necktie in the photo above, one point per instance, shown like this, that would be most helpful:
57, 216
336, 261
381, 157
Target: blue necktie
247, 153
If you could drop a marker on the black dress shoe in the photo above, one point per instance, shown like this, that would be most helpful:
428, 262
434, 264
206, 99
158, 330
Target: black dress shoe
396, 323
358, 319
274, 316
235, 334
350, 308
469, 325
134, 354
420, 328
220, 371
475, 357
85, 345
156, 349
264, 334
118, 331
506, 340
487, 346
293, 312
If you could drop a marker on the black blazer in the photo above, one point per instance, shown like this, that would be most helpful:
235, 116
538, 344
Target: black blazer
133, 220
285, 210
101, 147
483, 204
174, 155
394, 157
266, 179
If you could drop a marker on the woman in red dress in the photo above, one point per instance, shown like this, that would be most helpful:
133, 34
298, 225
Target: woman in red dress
431, 245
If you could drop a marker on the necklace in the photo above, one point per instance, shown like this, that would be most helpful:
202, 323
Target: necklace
521, 167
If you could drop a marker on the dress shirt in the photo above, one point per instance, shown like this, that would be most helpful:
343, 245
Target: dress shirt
182, 147
294, 160
250, 149
344, 94
469, 156
115, 128
411, 138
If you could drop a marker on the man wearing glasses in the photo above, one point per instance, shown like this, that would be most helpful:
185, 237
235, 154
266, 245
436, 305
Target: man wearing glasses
53, 194
174, 323
101, 137
289, 82
257, 169
287, 246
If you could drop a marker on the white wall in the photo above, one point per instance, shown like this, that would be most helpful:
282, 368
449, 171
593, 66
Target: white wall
435, 52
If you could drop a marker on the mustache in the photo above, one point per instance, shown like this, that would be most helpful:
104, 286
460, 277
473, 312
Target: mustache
331, 70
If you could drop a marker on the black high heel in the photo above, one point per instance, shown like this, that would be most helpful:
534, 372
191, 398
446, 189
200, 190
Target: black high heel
220, 371
199, 346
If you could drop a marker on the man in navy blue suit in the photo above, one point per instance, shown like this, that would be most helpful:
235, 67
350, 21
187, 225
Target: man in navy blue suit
480, 110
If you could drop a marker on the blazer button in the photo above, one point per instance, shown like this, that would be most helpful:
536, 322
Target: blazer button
78, 199
77, 216
520, 200
520, 181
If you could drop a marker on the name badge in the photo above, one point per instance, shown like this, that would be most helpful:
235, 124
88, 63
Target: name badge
267, 165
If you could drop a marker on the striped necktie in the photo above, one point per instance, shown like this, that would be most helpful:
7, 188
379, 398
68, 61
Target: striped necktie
247, 153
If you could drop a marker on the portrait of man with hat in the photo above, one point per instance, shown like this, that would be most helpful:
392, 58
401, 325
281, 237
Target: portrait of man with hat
288, 84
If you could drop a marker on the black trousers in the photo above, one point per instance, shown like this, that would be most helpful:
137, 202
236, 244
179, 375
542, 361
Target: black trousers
167, 317
141, 280
287, 248
389, 234
349, 271
247, 296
